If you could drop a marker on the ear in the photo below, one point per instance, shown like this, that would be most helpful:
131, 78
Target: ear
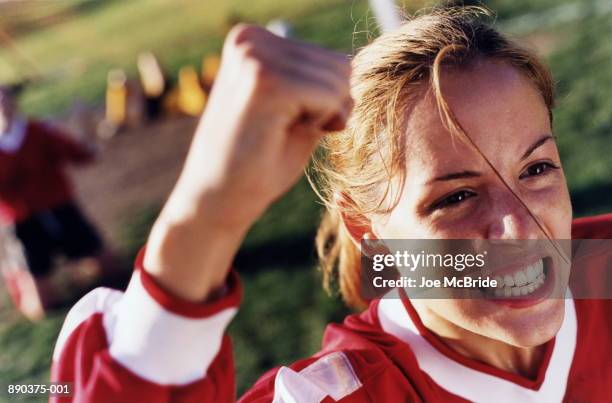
359, 227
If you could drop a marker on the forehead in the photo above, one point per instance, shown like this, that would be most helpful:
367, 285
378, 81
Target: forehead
498, 106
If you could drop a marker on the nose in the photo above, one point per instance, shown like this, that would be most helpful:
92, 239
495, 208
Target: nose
511, 219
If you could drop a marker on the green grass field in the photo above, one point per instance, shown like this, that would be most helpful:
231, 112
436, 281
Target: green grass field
277, 262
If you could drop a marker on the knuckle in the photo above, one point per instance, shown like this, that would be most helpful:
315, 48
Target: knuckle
246, 50
255, 65
242, 33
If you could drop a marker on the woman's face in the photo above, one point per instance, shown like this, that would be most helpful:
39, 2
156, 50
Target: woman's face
450, 191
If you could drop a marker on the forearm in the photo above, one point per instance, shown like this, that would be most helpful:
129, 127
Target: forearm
191, 247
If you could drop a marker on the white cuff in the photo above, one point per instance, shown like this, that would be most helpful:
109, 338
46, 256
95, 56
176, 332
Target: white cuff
159, 345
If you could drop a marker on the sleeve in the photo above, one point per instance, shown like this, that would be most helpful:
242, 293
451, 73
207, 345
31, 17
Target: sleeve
147, 345
64, 148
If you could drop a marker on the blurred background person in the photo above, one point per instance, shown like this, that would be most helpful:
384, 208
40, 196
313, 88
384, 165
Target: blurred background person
37, 203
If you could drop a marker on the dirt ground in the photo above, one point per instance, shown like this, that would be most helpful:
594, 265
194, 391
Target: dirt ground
137, 168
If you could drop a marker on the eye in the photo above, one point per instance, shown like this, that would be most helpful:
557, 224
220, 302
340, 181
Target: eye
537, 169
453, 199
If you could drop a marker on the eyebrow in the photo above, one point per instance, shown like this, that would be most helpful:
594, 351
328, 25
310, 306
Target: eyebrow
537, 144
473, 174
456, 175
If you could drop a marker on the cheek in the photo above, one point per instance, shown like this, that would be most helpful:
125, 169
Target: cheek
552, 205
405, 222
401, 223
468, 224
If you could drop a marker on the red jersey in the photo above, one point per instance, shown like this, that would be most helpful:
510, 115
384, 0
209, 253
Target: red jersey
32, 178
147, 345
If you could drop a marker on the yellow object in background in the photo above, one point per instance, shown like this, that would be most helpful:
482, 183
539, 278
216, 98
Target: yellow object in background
210, 68
116, 97
191, 96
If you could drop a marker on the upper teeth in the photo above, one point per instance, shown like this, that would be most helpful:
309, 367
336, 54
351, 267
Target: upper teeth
522, 282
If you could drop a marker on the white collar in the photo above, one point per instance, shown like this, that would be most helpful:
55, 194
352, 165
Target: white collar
12, 140
474, 385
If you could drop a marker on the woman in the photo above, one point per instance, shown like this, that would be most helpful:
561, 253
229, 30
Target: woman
390, 171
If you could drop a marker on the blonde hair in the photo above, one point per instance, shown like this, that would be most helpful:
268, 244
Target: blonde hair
360, 162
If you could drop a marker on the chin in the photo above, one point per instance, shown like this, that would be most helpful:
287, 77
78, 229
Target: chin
533, 326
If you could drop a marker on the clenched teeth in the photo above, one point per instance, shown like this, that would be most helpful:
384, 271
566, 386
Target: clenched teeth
522, 282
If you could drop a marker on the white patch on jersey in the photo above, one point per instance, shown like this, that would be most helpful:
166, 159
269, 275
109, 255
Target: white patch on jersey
331, 375
478, 386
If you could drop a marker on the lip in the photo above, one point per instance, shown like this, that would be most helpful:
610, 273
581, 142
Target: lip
537, 296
